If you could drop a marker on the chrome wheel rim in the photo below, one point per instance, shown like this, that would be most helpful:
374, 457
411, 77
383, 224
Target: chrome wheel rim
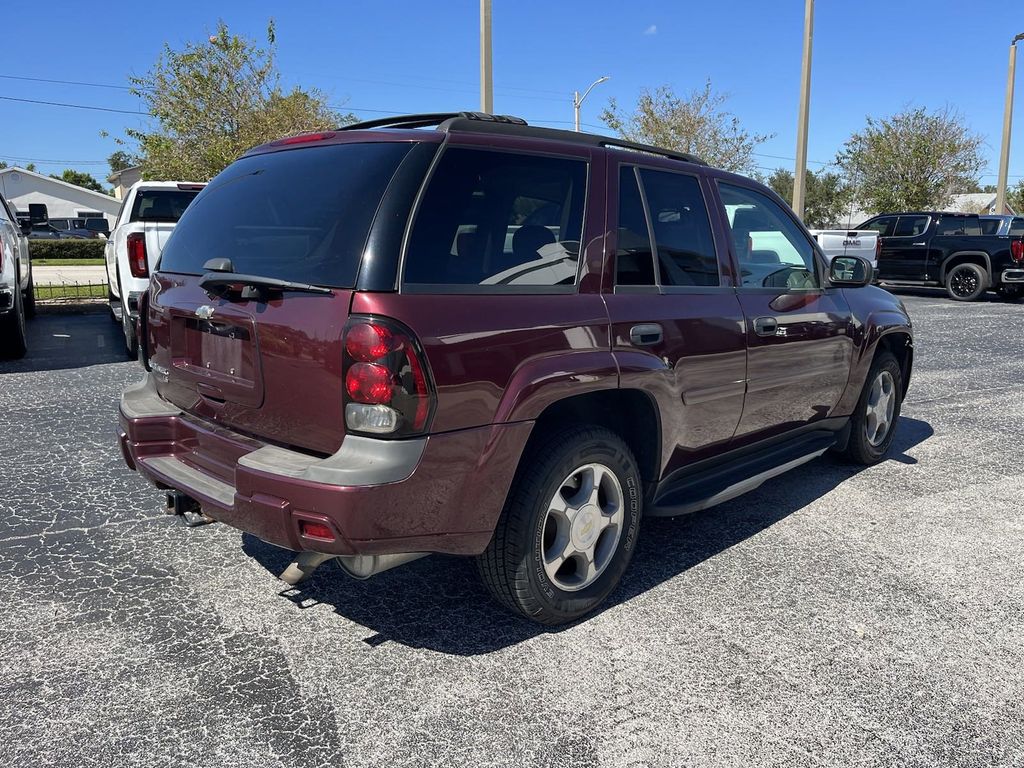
964, 282
881, 407
582, 527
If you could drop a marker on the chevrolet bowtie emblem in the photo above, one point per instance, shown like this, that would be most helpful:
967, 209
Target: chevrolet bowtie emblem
205, 312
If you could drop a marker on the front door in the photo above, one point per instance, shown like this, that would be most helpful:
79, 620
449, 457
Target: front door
904, 255
676, 324
799, 346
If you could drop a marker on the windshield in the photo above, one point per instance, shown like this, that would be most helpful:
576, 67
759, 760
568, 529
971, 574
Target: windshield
301, 214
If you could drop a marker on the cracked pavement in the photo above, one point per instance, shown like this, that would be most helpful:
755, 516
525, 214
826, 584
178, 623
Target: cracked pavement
832, 617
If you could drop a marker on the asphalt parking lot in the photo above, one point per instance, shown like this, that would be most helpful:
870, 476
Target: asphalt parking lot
833, 617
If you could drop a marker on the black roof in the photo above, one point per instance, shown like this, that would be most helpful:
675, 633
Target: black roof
482, 122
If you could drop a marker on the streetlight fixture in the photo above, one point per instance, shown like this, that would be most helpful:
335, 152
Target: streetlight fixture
1004, 156
577, 100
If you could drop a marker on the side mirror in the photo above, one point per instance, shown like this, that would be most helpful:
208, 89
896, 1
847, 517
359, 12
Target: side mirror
37, 213
850, 271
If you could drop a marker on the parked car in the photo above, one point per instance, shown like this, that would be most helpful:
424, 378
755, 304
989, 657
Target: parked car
92, 227
1002, 225
349, 357
854, 242
17, 293
149, 212
948, 249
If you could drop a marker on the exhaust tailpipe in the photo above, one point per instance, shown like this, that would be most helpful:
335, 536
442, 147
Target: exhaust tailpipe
356, 566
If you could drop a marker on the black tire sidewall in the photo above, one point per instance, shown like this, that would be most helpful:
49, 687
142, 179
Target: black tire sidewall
861, 449
979, 272
12, 327
613, 453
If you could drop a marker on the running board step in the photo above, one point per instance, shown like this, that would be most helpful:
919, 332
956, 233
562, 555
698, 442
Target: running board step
706, 488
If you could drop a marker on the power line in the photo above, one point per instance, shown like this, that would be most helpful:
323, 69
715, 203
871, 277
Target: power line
65, 82
75, 106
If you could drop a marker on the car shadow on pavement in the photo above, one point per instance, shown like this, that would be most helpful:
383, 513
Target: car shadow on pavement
439, 603
70, 339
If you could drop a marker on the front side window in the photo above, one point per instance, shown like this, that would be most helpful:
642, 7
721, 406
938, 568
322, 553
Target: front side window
883, 225
911, 226
771, 249
498, 220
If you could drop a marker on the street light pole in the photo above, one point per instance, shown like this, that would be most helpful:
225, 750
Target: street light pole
800, 176
577, 100
1004, 155
486, 73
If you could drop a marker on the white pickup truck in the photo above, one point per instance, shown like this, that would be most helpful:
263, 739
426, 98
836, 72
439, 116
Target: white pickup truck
849, 242
17, 296
148, 215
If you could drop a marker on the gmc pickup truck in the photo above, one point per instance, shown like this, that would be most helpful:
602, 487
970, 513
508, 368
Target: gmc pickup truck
853, 242
148, 215
949, 250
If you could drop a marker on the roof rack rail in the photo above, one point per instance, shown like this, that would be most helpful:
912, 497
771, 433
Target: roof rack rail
430, 118
482, 122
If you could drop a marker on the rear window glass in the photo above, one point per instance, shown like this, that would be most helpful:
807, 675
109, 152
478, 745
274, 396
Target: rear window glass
499, 220
161, 204
301, 214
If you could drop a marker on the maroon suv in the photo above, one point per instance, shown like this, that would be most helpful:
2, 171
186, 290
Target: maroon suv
458, 333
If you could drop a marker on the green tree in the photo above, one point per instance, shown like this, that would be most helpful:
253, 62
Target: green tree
697, 123
215, 99
2, 164
80, 179
914, 160
31, 167
826, 196
120, 160
1015, 197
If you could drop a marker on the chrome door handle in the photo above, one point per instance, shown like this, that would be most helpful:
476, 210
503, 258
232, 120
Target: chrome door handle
766, 326
646, 334
919, 243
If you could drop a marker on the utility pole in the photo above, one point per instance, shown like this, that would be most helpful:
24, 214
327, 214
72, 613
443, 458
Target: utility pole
486, 73
799, 178
1004, 155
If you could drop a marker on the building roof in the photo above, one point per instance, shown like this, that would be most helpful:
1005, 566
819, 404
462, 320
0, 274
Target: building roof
974, 202
32, 174
113, 178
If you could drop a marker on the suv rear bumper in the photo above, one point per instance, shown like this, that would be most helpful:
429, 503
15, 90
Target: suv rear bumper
441, 493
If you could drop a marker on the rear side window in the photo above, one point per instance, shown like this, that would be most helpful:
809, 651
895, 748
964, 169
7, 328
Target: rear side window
161, 204
1017, 227
634, 258
498, 221
911, 226
952, 225
299, 214
682, 231
990, 226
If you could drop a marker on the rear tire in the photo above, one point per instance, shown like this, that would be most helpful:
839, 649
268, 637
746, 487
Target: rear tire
30, 297
873, 424
966, 282
568, 529
131, 342
13, 337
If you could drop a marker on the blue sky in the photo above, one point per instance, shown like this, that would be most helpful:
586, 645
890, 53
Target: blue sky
870, 57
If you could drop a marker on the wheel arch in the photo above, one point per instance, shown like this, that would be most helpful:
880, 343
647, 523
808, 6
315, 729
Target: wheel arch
979, 258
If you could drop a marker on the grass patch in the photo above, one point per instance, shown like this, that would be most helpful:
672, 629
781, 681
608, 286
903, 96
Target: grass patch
68, 262
84, 291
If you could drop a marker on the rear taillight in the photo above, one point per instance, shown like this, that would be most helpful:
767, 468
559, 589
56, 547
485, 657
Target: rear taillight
137, 254
878, 247
1017, 251
387, 383
1, 254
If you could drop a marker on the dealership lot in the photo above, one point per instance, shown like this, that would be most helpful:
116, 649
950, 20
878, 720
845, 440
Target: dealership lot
836, 615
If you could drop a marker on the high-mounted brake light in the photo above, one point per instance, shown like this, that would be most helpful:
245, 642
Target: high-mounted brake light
387, 384
190, 187
303, 138
1017, 250
137, 254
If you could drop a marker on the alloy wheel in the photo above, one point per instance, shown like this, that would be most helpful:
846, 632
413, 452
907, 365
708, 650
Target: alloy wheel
963, 282
881, 407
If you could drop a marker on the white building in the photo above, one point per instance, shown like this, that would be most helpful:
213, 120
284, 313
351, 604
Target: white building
122, 180
62, 200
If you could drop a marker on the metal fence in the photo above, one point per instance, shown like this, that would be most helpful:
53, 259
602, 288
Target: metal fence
71, 292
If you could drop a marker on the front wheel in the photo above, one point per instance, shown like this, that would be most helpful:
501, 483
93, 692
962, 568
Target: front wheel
568, 529
966, 282
873, 425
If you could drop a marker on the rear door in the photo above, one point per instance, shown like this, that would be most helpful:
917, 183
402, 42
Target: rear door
269, 364
798, 332
677, 326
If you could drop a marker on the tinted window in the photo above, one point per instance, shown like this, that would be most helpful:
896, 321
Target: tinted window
911, 226
950, 225
682, 232
498, 219
990, 226
883, 225
1017, 227
634, 258
299, 214
161, 204
771, 249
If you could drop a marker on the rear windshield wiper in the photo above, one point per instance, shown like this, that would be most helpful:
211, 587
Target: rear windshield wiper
220, 283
